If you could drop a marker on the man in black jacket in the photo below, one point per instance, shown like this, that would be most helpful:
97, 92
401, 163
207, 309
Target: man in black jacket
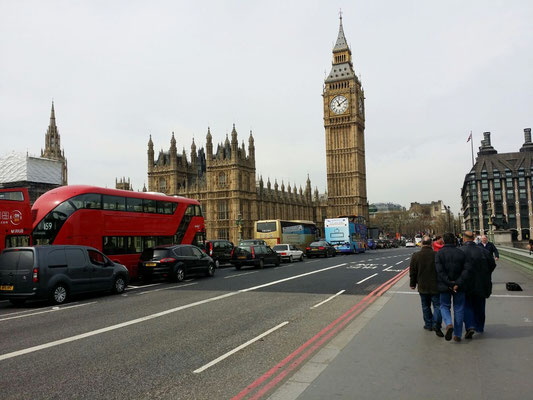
422, 272
489, 246
452, 278
480, 284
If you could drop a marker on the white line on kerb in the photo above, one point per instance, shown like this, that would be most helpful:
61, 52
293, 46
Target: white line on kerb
328, 299
371, 276
169, 288
242, 346
236, 275
152, 316
54, 309
143, 286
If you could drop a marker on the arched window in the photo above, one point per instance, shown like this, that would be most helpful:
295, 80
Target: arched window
222, 179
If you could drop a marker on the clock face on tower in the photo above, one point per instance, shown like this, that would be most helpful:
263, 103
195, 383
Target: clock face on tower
339, 104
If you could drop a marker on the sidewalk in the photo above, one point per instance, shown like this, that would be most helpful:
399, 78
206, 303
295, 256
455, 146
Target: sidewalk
385, 353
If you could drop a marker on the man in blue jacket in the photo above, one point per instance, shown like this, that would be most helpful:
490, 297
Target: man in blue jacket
452, 280
489, 246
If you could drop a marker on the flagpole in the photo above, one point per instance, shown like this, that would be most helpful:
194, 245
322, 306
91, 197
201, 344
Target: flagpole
472, 144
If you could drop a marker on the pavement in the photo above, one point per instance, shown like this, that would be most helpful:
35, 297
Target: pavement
386, 354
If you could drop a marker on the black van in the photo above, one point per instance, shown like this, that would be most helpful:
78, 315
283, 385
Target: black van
57, 271
219, 250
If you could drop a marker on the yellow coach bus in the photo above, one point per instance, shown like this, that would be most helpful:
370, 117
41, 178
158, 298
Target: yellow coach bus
276, 231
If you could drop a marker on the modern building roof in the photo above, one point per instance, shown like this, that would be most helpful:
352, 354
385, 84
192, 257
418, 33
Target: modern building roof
19, 167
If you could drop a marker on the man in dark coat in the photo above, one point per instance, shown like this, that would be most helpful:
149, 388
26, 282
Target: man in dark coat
480, 284
452, 278
423, 273
489, 246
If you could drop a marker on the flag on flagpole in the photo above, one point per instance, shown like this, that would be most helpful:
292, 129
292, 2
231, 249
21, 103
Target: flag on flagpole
469, 138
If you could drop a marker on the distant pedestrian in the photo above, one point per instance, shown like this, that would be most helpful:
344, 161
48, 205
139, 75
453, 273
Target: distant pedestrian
452, 277
489, 246
423, 274
438, 243
530, 245
479, 287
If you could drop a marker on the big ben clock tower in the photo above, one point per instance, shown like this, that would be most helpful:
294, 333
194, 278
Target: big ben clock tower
344, 121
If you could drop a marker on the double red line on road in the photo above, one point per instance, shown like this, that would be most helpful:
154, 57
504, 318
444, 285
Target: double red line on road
277, 373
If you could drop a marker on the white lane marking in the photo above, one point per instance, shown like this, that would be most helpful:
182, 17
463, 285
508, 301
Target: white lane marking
399, 262
314, 261
236, 275
400, 292
143, 286
151, 316
47, 311
290, 279
242, 346
408, 258
169, 288
386, 269
328, 299
492, 295
371, 276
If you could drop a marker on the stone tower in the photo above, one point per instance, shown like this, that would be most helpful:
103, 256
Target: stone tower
344, 122
52, 145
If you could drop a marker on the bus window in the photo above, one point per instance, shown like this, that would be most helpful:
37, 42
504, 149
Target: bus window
149, 206
134, 204
114, 203
266, 227
89, 200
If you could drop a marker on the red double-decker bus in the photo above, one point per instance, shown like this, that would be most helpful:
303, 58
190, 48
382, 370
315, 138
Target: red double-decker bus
119, 223
15, 218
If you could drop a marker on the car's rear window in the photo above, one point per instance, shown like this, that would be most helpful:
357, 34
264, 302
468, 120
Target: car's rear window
317, 244
9, 259
154, 254
280, 247
243, 249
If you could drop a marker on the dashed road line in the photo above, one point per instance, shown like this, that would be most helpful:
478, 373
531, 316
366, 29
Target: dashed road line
53, 309
367, 278
328, 299
242, 346
244, 273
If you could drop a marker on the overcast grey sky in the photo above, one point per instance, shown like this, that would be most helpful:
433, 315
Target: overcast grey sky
119, 71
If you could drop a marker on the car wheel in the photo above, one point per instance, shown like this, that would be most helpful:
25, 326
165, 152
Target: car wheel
334, 254
179, 274
301, 257
326, 255
17, 302
278, 261
59, 294
261, 264
210, 270
237, 267
119, 285
290, 259
217, 264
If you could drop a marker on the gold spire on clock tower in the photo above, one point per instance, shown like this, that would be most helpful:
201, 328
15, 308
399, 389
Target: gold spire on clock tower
344, 123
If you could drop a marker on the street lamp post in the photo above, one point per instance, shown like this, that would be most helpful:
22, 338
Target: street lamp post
239, 225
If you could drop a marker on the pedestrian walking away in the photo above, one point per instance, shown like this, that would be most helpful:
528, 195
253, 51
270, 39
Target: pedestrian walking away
438, 243
479, 286
422, 273
452, 277
489, 246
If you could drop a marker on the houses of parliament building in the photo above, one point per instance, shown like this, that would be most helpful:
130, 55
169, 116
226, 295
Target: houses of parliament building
222, 176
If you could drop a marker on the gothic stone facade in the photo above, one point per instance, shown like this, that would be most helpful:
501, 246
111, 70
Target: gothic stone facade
224, 181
